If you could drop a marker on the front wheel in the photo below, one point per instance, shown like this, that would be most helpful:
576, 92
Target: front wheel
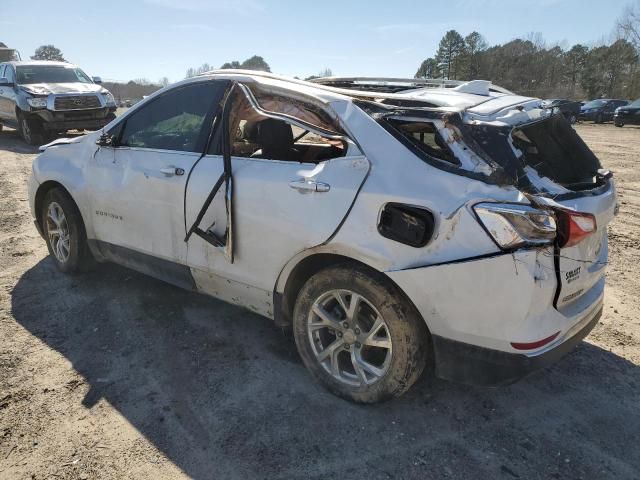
619, 124
64, 232
358, 335
30, 130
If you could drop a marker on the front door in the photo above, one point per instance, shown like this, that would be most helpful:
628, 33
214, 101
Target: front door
138, 184
8, 96
289, 194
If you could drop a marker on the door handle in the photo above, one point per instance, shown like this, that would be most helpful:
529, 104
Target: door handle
171, 171
305, 185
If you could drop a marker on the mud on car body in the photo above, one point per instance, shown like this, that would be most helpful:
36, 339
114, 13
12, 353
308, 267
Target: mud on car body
391, 223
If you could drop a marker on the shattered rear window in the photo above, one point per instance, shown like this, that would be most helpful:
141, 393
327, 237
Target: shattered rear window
556, 151
425, 137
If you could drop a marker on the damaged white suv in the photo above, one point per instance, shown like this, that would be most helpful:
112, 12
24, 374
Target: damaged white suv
390, 223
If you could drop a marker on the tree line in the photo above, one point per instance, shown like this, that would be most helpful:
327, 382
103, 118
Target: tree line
253, 63
529, 66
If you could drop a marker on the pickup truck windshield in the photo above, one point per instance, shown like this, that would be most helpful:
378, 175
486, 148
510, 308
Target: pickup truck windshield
26, 74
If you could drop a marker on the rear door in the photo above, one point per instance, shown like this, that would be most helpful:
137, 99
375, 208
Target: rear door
281, 203
7, 94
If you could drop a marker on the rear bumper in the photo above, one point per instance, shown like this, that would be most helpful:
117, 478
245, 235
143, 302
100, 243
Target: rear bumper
476, 309
471, 364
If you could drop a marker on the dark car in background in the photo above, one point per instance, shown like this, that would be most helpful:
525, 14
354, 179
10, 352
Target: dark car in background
601, 110
627, 114
568, 108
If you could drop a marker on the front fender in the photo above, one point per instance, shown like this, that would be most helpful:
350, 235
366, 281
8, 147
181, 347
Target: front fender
65, 164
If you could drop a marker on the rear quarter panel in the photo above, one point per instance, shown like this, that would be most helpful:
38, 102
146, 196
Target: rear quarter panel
397, 175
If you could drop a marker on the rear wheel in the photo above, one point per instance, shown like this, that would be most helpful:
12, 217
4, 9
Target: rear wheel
619, 124
64, 232
30, 130
358, 335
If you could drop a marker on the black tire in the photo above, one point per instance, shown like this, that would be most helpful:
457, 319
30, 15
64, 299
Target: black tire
30, 130
405, 330
79, 257
619, 124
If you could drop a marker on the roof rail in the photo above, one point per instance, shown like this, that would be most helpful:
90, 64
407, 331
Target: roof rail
393, 85
365, 87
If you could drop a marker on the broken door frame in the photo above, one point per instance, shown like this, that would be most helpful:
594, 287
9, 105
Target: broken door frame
226, 176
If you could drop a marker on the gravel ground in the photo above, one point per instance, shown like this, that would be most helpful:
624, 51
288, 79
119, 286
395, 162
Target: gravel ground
113, 375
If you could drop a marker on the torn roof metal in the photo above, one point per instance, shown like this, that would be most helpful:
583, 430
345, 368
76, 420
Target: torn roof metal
449, 94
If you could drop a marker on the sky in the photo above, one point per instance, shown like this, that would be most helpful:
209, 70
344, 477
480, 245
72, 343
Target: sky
129, 39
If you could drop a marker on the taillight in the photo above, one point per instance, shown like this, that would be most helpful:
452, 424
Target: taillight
573, 227
514, 225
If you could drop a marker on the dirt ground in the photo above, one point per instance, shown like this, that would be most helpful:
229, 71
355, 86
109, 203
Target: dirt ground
113, 375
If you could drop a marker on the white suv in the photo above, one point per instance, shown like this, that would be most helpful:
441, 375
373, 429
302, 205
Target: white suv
393, 225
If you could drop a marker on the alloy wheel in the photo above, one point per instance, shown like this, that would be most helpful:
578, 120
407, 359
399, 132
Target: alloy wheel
58, 232
349, 338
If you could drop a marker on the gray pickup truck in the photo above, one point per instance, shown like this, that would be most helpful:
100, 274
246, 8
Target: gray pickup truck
43, 99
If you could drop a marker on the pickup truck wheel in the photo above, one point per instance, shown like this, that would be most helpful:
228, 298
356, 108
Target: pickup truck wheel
358, 335
30, 131
64, 233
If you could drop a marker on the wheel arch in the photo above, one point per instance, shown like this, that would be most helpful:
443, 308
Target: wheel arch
299, 270
41, 193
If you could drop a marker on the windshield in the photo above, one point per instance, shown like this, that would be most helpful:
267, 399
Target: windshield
595, 103
26, 74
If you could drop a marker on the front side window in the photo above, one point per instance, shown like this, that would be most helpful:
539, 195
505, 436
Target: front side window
27, 74
595, 104
177, 120
8, 73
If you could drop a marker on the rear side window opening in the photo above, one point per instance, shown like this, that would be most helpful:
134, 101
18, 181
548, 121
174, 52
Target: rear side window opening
554, 149
424, 137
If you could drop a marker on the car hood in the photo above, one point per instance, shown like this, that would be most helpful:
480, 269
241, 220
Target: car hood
48, 88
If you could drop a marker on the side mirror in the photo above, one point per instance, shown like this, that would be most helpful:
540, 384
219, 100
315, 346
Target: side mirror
97, 80
106, 140
4, 82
